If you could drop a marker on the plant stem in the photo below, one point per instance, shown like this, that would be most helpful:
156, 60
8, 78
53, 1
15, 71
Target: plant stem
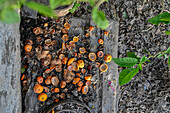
153, 56
99, 3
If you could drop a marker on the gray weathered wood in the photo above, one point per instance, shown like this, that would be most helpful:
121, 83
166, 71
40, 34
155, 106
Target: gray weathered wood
110, 97
10, 91
104, 98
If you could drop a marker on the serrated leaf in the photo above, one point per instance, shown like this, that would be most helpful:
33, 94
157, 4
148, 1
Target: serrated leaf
167, 32
125, 62
75, 7
157, 19
126, 75
140, 66
55, 3
160, 55
42, 9
99, 18
9, 16
168, 50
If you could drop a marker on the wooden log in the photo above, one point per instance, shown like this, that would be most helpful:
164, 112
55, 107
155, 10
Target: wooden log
10, 91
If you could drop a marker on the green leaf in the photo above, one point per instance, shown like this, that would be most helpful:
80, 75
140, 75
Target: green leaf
160, 55
126, 75
126, 62
168, 50
42, 9
2, 2
132, 54
143, 59
165, 18
145, 51
99, 18
140, 66
22, 69
9, 16
157, 19
22, 2
169, 60
92, 3
165, 56
75, 7
124, 14
55, 3
167, 32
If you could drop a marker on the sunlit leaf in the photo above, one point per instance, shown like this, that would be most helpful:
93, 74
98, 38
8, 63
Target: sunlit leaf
100, 19
126, 75
9, 16
42, 9
143, 59
55, 3
75, 7
167, 32
126, 61
157, 19
168, 50
140, 66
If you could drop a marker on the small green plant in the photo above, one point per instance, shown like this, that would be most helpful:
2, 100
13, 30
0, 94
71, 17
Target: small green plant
9, 14
161, 18
133, 64
75, 7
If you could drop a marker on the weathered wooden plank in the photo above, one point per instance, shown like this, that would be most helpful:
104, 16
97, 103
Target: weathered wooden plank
10, 91
110, 97
103, 99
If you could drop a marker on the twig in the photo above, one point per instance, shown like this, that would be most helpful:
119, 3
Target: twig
148, 28
99, 3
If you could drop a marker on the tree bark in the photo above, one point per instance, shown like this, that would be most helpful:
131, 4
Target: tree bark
10, 91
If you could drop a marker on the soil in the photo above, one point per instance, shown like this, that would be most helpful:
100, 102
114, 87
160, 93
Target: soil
148, 92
